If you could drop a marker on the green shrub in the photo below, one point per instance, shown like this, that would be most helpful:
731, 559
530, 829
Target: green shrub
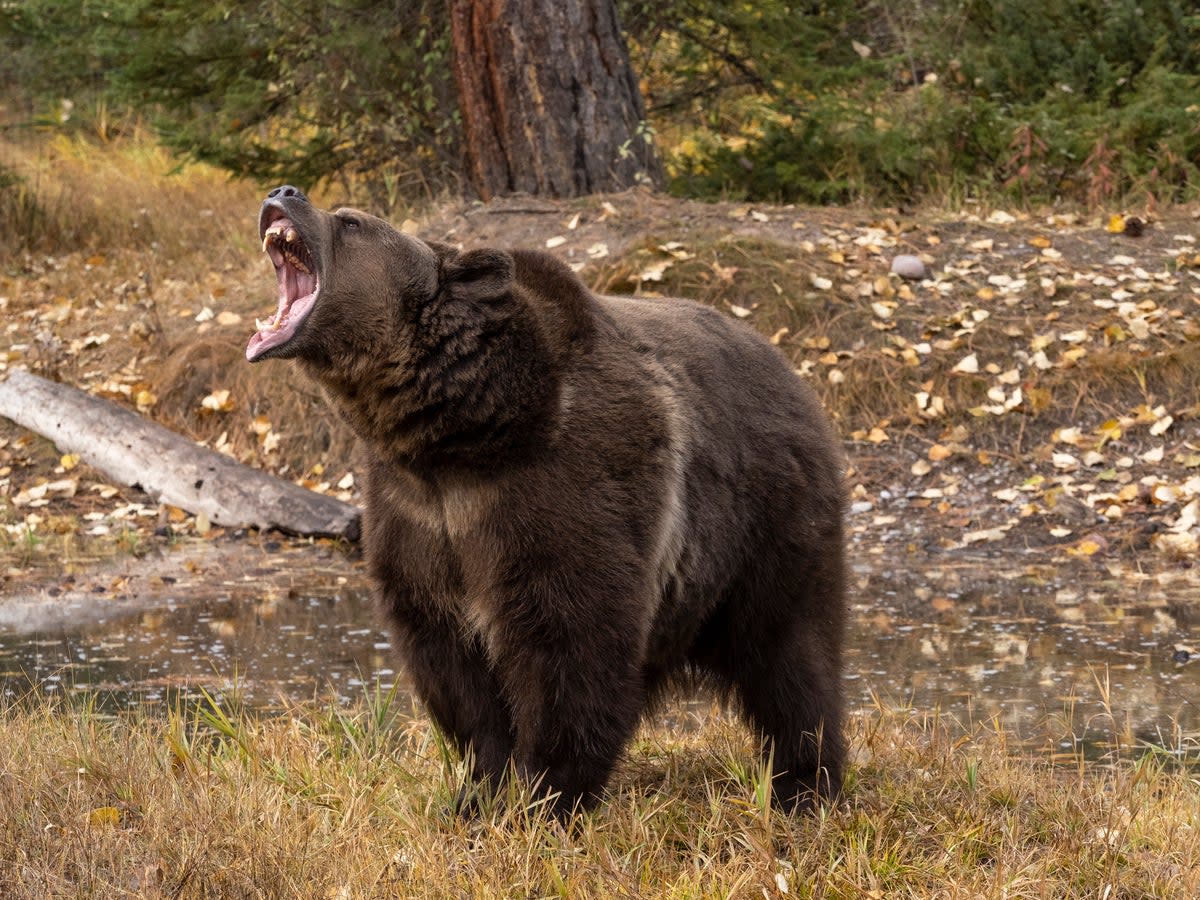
1084, 99
823, 101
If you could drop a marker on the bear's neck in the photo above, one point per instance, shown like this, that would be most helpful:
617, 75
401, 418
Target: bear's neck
458, 392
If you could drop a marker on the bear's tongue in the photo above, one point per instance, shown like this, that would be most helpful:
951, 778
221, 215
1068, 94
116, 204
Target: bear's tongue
297, 293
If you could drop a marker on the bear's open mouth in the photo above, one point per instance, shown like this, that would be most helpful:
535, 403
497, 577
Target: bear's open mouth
299, 284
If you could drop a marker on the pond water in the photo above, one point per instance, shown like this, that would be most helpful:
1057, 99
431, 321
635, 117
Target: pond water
1061, 664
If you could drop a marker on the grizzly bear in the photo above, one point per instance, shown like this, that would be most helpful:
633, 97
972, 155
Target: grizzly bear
571, 499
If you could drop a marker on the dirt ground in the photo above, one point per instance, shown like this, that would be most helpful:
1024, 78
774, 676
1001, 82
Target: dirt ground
1033, 399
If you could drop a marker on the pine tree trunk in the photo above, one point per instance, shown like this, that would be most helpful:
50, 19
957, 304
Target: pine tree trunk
549, 102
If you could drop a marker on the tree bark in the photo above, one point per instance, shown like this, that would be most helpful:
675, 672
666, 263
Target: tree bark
549, 102
135, 451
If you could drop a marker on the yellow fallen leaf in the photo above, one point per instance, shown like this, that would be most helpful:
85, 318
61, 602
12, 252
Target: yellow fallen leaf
1109, 431
1116, 224
938, 452
104, 816
1160, 427
1040, 241
97, 260
725, 273
1064, 461
968, 364
144, 400
1128, 493
1037, 399
654, 272
1163, 494
217, 401
69, 461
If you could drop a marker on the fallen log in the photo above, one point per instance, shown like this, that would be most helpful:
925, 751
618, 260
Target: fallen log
134, 451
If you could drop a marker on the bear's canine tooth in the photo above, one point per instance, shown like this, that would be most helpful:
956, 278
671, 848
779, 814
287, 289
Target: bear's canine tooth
290, 237
263, 325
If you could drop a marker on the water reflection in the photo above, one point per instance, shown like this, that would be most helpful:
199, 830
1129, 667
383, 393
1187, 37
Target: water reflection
1054, 660
300, 647
1053, 672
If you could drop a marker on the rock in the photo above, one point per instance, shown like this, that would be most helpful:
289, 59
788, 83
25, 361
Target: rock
909, 267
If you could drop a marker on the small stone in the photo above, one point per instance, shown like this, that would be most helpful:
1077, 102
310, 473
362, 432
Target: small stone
909, 267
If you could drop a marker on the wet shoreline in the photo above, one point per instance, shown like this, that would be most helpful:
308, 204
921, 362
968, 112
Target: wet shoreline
1048, 656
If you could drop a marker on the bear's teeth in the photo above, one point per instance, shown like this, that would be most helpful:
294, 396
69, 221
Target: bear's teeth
296, 262
262, 325
290, 237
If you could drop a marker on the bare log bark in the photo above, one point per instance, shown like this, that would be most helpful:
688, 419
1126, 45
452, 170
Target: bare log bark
549, 102
135, 451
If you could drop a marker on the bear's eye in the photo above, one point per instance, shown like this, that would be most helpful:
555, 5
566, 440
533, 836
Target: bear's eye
351, 222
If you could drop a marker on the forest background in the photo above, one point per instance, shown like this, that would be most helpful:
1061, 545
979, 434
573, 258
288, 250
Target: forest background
883, 101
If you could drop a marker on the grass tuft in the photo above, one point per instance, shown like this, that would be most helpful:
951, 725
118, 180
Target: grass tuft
215, 801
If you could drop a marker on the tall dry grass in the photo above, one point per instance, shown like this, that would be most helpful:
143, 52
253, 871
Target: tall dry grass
211, 801
70, 190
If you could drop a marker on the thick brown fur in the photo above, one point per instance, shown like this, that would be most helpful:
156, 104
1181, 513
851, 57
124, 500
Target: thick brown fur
573, 498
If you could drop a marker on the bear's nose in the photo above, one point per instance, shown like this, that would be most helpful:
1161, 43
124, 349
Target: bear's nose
287, 192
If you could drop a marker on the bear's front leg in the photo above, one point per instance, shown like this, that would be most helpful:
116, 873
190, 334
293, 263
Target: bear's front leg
570, 663
452, 677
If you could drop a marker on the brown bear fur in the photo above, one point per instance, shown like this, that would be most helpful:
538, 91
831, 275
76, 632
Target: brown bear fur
571, 498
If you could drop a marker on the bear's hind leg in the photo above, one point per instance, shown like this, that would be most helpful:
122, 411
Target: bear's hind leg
791, 694
777, 644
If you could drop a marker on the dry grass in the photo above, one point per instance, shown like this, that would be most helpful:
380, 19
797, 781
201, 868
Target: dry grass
326, 802
66, 192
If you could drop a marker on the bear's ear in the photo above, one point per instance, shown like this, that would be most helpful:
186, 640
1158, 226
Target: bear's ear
477, 275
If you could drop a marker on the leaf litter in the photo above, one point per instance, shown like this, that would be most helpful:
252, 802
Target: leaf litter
1035, 394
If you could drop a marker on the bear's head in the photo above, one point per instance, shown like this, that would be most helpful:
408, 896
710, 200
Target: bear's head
352, 287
